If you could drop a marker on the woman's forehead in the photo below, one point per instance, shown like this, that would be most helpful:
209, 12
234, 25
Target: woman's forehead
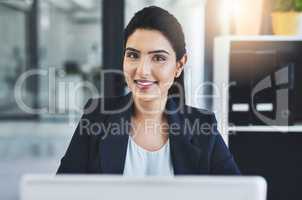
146, 40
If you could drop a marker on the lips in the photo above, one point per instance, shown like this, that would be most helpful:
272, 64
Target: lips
144, 83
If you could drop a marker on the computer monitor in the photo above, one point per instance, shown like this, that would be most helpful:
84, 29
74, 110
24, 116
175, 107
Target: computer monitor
103, 187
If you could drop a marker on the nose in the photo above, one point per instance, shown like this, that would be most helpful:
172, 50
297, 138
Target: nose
144, 67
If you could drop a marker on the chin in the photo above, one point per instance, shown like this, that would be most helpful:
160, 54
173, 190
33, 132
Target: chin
145, 96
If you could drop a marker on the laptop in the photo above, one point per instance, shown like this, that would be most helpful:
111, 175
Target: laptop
104, 187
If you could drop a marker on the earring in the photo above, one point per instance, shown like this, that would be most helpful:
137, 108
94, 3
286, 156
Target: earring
177, 73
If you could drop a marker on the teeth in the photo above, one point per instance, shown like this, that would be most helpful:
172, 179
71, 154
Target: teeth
144, 83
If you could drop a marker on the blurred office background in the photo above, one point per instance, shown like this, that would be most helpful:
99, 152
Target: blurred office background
52, 54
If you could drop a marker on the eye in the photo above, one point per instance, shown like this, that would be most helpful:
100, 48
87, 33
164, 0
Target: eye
132, 55
159, 58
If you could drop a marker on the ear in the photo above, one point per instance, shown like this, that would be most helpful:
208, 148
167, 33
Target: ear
180, 65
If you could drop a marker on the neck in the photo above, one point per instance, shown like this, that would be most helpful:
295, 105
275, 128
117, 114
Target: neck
150, 110
148, 119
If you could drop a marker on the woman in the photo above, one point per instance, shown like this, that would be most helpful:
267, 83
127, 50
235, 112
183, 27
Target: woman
147, 132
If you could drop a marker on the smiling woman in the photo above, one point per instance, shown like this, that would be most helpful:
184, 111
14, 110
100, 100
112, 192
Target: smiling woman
163, 138
150, 64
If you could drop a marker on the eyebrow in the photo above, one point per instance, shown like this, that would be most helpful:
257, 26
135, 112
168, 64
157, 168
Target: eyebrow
150, 52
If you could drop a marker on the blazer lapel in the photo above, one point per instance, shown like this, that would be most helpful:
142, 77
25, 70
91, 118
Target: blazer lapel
113, 145
185, 155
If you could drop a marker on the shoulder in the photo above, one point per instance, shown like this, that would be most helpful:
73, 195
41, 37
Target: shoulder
198, 114
201, 125
99, 105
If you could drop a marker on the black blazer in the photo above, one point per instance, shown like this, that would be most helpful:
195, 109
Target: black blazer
99, 144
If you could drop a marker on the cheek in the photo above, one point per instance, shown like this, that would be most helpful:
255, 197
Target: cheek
128, 69
166, 76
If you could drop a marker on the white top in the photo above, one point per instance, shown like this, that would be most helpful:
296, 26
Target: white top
141, 162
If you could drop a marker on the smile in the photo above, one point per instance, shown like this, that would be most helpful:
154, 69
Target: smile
144, 84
